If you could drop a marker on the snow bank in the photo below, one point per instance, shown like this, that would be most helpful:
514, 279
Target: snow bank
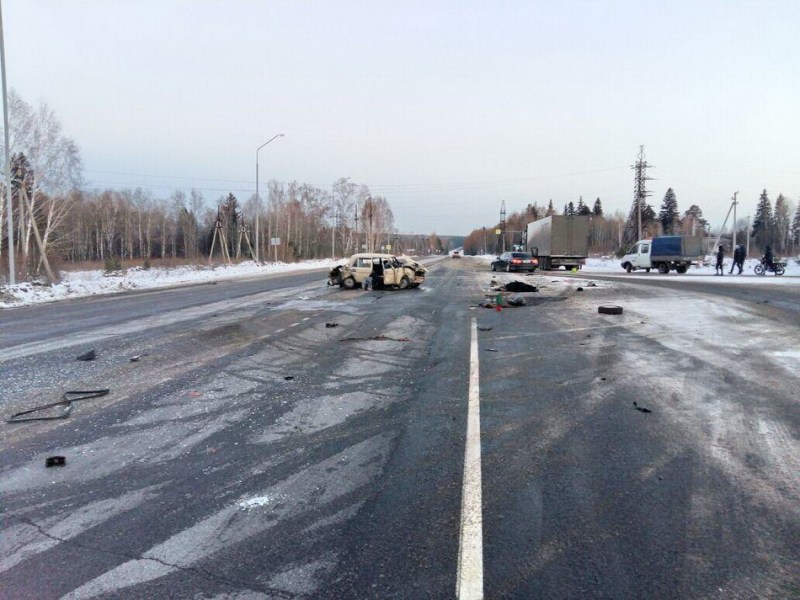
79, 284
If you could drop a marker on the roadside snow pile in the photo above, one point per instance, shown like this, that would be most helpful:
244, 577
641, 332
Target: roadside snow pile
609, 264
79, 284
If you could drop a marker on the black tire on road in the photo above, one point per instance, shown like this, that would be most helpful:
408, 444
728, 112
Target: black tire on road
628, 267
508, 268
349, 283
681, 269
609, 309
663, 268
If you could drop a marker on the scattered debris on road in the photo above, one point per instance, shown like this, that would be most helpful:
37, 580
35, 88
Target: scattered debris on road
520, 286
66, 402
579, 289
55, 461
491, 349
331, 325
90, 355
138, 357
641, 408
516, 301
289, 377
610, 309
379, 338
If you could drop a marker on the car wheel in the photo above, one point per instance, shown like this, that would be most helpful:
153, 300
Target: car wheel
508, 268
404, 283
663, 268
628, 267
349, 283
493, 267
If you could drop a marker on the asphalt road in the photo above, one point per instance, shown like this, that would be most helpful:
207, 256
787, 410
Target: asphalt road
280, 439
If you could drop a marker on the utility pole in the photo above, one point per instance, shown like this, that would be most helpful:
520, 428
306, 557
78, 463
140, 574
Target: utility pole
358, 248
640, 194
503, 224
747, 252
734, 217
12, 271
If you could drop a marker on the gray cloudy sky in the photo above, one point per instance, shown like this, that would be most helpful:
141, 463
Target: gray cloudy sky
446, 108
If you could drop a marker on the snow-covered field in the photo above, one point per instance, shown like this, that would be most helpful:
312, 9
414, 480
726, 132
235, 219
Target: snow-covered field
78, 284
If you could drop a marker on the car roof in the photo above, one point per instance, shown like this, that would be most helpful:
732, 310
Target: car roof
372, 255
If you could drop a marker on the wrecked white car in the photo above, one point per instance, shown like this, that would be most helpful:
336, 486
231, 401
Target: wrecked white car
388, 271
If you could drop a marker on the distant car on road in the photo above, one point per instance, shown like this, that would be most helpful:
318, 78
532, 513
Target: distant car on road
515, 261
455, 254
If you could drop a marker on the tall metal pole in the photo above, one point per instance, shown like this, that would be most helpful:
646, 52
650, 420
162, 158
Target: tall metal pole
734, 218
258, 198
12, 270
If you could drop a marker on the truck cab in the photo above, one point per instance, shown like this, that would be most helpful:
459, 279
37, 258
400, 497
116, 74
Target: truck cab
638, 257
665, 253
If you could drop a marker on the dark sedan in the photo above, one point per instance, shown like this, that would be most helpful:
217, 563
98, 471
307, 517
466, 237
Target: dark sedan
515, 261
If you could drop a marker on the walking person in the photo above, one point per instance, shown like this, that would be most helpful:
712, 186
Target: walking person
737, 254
718, 270
742, 256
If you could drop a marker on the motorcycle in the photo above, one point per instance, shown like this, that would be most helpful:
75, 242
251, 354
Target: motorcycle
762, 268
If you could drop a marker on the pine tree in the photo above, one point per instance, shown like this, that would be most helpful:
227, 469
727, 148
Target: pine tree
597, 211
781, 223
569, 209
694, 217
669, 215
796, 228
762, 222
550, 210
582, 209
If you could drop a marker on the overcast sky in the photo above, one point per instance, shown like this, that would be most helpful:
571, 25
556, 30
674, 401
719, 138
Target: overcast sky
445, 108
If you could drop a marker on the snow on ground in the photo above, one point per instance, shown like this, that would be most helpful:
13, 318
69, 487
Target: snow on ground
79, 284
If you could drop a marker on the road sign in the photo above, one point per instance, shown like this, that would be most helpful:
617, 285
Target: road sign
274, 241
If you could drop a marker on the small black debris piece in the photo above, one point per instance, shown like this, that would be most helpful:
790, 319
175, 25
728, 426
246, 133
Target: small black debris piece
578, 289
641, 408
55, 461
331, 325
520, 286
491, 349
610, 309
289, 377
484, 328
90, 355
591, 284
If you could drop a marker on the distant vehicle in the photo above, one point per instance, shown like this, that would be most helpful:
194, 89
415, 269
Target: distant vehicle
389, 271
666, 253
515, 261
559, 241
455, 254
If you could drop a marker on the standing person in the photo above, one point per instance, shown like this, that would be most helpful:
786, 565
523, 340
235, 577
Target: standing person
735, 263
742, 256
718, 270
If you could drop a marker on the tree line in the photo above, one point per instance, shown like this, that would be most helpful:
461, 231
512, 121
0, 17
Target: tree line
614, 234
56, 220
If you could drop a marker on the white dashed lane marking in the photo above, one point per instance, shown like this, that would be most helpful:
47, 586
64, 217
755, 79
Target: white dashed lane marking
469, 579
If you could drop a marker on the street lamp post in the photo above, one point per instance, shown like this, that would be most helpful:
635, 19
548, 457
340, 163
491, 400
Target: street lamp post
258, 199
